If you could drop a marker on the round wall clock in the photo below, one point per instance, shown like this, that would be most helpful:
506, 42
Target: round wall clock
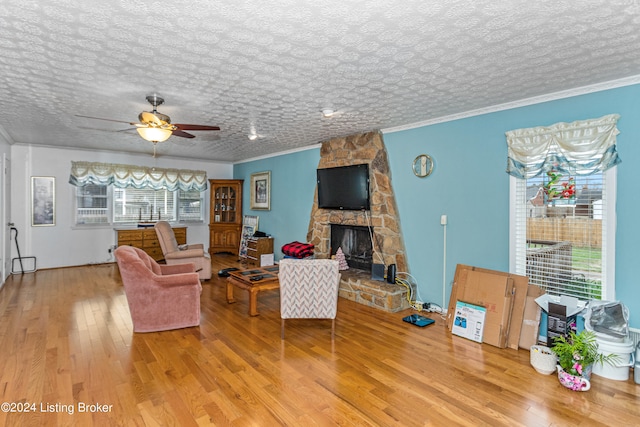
423, 165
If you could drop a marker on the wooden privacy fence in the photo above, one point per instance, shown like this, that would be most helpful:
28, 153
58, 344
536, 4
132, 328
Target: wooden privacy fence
579, 231
549, 263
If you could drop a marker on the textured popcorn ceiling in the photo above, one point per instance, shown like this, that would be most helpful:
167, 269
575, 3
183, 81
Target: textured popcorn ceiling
272, 66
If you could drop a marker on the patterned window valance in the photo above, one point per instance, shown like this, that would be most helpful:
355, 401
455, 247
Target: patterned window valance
579, 148
83, 173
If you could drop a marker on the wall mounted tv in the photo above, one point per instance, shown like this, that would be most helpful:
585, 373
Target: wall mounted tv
345, 187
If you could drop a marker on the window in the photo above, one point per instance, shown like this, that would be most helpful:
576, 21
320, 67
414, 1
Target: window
104, 204
92, 204
560, 233
562, 206
142, 204
190, 205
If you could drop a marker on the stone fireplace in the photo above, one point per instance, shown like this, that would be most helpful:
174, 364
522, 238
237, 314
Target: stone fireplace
388, 248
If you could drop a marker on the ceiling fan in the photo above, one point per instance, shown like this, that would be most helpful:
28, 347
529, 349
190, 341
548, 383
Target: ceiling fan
157, 127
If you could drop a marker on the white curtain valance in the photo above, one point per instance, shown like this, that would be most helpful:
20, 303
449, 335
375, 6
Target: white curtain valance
83, 173
579, 148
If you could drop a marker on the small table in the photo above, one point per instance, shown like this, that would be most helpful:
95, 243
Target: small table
253, 280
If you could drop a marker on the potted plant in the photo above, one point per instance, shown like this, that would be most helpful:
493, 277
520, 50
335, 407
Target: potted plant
576, 355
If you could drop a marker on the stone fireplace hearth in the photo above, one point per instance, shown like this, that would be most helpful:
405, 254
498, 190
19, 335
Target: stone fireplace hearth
388, 248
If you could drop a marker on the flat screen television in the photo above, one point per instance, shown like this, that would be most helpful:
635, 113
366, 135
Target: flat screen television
345, 187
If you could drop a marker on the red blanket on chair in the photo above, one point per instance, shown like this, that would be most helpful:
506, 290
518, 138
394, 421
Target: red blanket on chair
298, 249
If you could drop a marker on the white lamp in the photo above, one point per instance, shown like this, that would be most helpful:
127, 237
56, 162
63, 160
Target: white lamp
154, 134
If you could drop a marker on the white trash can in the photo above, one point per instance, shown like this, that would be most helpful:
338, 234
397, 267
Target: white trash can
619, 368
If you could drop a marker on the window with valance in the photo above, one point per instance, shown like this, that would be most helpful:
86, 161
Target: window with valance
562, 219
123, 176
579, 148
120, 194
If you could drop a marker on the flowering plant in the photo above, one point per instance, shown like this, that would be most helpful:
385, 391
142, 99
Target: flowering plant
568, 189
578, 352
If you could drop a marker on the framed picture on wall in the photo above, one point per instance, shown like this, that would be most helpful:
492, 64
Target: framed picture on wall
43, 201
261, 190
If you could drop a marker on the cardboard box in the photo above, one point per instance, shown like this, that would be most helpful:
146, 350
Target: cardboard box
562, 313
521, 285
558, 323
469, 321
515, 322
530, 329
490, 289
573, 305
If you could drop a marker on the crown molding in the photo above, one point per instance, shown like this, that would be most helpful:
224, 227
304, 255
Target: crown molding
599, 87
280, 153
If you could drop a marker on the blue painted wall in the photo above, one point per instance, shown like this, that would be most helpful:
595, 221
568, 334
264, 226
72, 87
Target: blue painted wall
293, 180
470, 186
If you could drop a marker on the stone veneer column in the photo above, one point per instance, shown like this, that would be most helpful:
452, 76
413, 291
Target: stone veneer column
368, 148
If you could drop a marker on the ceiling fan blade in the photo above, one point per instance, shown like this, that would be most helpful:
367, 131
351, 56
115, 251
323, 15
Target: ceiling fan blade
100, 118
195, 127
106, 130
182, 134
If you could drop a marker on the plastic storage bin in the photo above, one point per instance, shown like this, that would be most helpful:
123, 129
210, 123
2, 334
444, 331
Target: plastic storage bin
618, 369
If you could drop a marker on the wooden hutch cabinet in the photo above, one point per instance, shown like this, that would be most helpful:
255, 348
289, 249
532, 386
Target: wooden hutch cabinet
225, 215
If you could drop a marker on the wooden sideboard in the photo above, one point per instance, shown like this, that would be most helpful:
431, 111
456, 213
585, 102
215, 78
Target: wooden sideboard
147, 239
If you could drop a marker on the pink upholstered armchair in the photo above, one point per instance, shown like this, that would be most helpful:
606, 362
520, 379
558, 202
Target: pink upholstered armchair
173, 254
160, 297
308, 290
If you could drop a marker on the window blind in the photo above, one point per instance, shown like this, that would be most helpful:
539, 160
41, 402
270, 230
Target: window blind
562, 209
561, 244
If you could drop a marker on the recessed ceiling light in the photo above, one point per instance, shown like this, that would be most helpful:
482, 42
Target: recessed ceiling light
328, 112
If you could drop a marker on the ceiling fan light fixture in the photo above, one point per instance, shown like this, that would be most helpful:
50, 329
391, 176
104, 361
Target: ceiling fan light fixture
153, 134
154, 118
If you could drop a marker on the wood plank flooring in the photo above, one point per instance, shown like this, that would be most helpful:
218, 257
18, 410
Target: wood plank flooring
66, 343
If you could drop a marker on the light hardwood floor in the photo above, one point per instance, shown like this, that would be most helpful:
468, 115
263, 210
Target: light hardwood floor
66, 341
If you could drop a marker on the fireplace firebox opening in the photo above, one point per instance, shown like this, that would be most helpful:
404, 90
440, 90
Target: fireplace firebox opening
355, 241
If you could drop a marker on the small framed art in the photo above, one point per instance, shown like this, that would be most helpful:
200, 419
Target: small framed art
261, 190
43, 201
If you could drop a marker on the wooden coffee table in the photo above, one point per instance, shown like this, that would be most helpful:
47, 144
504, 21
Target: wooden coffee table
253, 280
